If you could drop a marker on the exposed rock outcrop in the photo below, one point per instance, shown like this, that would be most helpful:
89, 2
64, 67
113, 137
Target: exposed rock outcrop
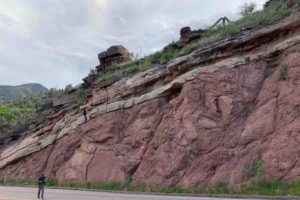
114, 54
203, 118
187, 35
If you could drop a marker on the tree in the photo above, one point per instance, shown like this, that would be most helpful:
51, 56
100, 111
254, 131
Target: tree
54, 92
247, 8
68, 88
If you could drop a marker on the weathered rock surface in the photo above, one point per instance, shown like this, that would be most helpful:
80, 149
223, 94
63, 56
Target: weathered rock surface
202, 118
114, 54
187, 35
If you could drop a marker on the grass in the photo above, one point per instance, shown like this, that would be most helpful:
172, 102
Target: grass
220, 188
169, 190
253, 20
258, 187
275, 188
18, 182
255, 169
133, 67
97, 186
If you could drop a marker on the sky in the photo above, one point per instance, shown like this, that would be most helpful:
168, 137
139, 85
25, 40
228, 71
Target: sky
56, 42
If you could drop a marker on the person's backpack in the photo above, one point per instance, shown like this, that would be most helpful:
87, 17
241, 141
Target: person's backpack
41, 180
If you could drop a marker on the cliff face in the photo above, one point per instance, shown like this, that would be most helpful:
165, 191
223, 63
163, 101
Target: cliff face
209, 116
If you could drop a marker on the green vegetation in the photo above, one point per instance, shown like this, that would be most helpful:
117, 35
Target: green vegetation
99, 186
269, 188
258, 187
247, 8
19, 182
175, 189
80, 95
255, 169
220, 188
261, 187
283, 73
68, 88
251, 20
54, 92
19, 112
13, 93
269, 72
22, 111
79, 91
133, 67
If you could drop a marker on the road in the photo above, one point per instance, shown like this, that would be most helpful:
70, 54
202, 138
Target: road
17, 193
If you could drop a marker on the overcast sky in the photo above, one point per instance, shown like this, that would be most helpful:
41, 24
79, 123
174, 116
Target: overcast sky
56, 42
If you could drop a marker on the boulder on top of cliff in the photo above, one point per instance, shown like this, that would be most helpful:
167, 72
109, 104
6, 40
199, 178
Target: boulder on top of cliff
114, 54
187, 35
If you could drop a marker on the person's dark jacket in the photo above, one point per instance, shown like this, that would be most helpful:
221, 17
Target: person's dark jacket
42, 180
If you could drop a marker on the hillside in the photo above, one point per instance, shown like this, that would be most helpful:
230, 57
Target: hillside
222, 110
12, 93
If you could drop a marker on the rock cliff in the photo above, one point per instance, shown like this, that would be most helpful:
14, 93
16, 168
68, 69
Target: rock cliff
205, 117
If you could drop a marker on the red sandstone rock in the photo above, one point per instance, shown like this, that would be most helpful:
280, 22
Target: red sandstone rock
187, 35
114, 54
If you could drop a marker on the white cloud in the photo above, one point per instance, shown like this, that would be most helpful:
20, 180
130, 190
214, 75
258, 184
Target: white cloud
56, 42
101, 3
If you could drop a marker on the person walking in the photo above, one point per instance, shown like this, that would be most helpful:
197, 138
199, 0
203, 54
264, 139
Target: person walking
41, 184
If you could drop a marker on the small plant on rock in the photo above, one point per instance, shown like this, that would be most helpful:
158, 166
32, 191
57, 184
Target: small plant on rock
81, 95
283, 73
268, 72
255, 169
221, 187
247, 8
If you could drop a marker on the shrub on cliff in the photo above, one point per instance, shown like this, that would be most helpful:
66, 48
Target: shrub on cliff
68, 88
19, 112
54, 92
133, 67
283, 72
81, 95
247, 8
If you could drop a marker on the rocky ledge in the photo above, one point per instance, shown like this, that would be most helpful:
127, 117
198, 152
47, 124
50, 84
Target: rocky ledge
202, 118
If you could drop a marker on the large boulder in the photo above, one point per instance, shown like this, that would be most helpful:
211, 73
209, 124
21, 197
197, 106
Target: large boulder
187, 35
114, 54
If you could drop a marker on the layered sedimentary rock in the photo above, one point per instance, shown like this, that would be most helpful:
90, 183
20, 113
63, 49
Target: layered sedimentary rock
187, 35
202, 118
114, 54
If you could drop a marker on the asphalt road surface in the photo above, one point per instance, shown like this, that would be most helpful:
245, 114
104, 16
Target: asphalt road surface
16, 193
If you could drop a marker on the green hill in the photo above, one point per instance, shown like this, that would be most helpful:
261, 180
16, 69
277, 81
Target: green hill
12, 93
